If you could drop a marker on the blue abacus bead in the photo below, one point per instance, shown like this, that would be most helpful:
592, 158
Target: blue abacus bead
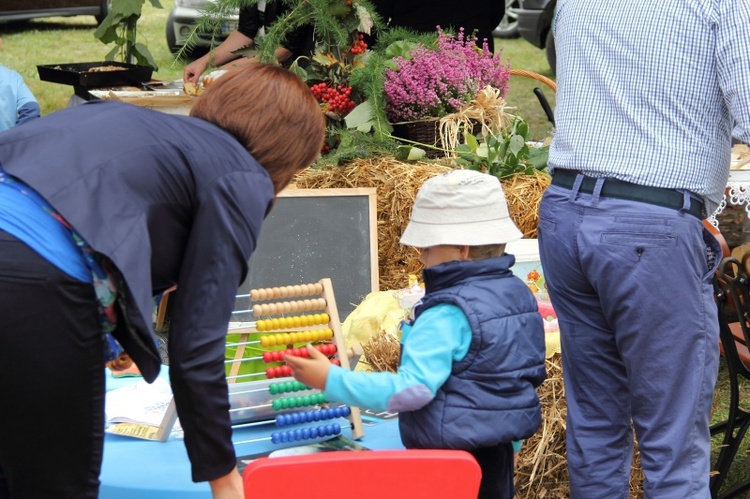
346, 411
305, 433
329, 429
280, 420
336, 428
310, 416
275, 437
298, 434
313, 432
284, 437
330, 413
316, 415
338, 412
295, 418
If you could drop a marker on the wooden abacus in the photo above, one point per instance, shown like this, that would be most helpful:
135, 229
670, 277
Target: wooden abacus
298, 315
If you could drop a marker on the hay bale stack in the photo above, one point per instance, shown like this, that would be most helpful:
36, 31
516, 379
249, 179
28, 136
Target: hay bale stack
397, 184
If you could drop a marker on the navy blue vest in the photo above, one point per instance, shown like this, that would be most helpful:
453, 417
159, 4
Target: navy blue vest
490, 396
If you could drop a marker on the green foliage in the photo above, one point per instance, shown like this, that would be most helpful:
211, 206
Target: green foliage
353, 144
120, 28
502, 155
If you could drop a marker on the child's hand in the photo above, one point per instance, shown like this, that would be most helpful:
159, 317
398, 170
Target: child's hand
312, 372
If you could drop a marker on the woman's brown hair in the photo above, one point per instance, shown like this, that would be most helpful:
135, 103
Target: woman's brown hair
271, 112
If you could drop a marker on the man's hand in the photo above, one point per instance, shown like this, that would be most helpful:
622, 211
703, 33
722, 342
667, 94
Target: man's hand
312, 372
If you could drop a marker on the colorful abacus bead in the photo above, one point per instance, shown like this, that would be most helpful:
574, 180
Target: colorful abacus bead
311, 416
292, 402
287, 386
300, 434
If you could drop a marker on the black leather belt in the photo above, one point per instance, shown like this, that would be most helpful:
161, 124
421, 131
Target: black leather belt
620, 189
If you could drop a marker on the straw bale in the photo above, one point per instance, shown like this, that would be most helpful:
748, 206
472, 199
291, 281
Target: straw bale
397, 183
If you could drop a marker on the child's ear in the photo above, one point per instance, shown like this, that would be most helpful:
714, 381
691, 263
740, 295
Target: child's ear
464, 252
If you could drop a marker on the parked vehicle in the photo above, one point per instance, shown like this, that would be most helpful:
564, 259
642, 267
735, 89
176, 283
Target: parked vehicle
508, 27
182, 20
535, 25
23, 10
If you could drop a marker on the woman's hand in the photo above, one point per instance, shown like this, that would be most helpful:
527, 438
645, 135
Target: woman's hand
312, 372
193, 71
228, 487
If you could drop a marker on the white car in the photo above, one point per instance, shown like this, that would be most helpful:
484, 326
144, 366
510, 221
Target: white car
184, 17
508, 27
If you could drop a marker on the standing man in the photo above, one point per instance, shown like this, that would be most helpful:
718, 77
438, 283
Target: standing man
649, 95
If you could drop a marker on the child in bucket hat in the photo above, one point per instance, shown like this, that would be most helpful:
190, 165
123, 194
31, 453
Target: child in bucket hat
472, 354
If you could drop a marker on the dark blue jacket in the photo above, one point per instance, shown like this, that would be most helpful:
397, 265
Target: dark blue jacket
490, 396
170, 200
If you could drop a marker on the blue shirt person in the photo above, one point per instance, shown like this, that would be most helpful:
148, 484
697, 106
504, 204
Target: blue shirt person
17, 103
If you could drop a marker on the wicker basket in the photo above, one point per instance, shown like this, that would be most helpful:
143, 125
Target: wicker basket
423, 131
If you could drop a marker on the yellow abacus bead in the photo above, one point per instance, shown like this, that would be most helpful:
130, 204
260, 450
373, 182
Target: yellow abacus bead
293, 338
261, 325
286, 338
264, 341
328, 334
325, 318
284, 323
316, 319
275, 324
308, 336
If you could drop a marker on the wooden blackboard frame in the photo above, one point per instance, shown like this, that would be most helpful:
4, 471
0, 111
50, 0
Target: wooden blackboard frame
368, 196
361, 199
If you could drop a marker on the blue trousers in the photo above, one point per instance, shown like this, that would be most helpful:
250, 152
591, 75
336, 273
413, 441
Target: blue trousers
631, 285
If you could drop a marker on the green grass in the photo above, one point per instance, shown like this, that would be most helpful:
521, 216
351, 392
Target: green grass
57, 40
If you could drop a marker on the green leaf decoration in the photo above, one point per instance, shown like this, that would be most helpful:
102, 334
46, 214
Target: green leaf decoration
359, 117
410, 153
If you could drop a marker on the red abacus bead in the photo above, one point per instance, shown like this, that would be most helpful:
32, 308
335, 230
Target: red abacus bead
336, 362
278, 371
270, 373
267, 357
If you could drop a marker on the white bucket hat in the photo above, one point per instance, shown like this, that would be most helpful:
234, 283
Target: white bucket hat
460, 207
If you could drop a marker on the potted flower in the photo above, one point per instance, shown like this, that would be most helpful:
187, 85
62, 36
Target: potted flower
427, 84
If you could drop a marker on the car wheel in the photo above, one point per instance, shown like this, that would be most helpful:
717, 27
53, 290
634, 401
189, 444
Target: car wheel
103, 11
508, 27
551, 52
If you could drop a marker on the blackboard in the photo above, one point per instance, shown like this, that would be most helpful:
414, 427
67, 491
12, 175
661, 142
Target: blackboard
312, 234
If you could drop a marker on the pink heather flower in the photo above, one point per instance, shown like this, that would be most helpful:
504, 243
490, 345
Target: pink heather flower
434, 83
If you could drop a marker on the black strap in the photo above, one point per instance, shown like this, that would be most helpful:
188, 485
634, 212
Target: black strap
620, 189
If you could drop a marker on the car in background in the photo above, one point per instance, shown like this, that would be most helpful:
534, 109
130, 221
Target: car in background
23, 10
182, 20
508, 27
535, 26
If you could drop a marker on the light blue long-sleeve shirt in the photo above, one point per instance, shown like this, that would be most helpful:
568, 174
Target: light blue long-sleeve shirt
440, 337
17, 103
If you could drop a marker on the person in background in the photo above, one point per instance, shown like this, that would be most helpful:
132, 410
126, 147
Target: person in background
103, 206
473, 353
17, 104
649, 95
253, 20
478, 17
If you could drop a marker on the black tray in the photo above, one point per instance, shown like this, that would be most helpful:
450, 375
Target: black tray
77, 74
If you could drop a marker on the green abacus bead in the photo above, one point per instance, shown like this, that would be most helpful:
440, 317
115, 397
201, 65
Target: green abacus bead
306, 400
276, 404
273, 389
